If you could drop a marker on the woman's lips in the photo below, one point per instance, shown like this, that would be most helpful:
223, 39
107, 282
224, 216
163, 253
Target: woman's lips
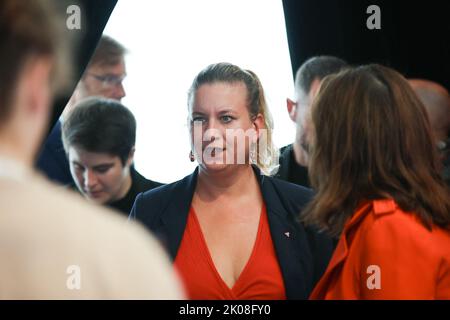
212, 151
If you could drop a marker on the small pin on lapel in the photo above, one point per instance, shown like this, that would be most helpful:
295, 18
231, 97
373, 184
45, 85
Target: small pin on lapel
287, 234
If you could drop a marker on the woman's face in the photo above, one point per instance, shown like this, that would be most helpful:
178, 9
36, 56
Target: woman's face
221, 127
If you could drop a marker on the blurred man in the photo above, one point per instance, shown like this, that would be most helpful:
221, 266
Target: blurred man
103, 77
54, 245
436, 100
99, 138
294, 158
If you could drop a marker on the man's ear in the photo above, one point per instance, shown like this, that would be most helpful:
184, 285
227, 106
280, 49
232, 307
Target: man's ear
292, 109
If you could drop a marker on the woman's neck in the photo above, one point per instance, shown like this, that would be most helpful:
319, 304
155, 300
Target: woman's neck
229, 182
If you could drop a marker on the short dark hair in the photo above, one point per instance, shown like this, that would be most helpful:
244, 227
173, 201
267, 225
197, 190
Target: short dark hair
101, 125
28, 29
108, 52
317, 68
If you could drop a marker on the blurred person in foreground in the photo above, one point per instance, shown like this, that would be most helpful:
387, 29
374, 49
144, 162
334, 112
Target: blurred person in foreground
54, 245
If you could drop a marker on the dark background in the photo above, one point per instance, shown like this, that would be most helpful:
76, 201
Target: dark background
414, 37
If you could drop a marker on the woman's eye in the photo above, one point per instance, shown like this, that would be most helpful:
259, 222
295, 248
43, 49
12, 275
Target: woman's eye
102, 170
226, 119
198, 119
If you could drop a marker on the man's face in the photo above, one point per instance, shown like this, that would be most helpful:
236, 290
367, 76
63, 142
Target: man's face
104, 81
304, 122
100, 177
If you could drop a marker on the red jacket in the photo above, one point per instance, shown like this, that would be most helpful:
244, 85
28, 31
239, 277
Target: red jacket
386, 253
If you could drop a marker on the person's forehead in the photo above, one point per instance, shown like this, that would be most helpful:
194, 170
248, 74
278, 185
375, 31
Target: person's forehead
91, 158
103, 69
220, 97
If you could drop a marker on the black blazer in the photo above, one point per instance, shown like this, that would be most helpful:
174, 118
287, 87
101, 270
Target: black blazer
52, 160
303, 254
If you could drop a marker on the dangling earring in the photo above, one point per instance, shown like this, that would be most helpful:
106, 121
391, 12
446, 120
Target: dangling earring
191, 156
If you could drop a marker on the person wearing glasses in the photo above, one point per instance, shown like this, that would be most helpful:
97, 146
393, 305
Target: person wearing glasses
103, 77
54, 245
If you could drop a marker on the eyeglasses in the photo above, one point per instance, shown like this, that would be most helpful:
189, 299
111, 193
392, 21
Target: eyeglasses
108, 80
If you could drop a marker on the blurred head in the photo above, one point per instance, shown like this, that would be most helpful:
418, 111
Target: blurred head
99, 138
372, 140
307, 83
436, 100
229, 120
31, 52
104, 74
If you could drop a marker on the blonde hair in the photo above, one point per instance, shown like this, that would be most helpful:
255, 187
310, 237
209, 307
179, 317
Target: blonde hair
267, 159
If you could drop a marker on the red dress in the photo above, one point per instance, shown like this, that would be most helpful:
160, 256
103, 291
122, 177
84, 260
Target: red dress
261, 277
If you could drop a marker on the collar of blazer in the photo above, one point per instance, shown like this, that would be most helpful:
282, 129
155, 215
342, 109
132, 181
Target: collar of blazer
342, 250
176, 212
289, 238
377, 207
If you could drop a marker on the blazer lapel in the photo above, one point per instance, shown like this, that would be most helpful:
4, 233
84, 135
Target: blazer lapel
174, 216
289, 242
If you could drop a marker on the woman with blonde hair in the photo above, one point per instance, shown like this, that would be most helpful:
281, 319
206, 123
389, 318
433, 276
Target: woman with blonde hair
375, 169
229, 227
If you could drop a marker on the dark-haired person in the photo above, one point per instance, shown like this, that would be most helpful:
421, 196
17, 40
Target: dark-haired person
54, 245
375, 169
103, 77
229, 227
294, 158
99, 138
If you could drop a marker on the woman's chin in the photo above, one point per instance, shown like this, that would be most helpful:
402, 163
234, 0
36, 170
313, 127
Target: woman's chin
215, 166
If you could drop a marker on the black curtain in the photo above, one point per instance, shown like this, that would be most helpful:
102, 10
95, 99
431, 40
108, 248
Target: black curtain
414, 37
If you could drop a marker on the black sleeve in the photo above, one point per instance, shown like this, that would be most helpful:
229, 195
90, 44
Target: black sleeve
322, 247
